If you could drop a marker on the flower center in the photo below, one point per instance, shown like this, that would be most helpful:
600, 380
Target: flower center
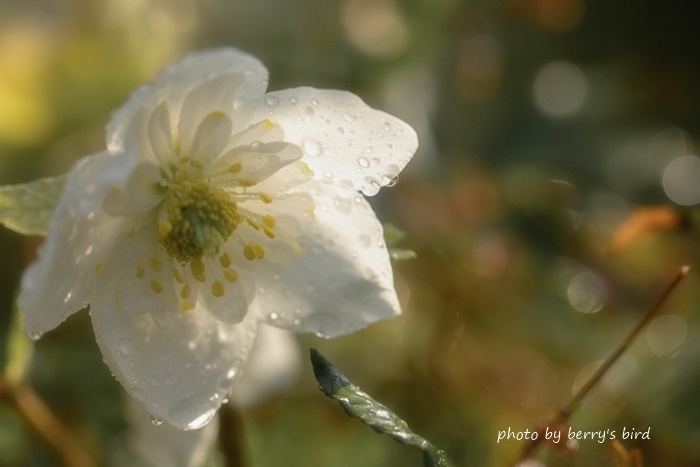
198, 219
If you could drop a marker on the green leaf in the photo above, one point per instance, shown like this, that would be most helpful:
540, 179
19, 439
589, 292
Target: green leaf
401, 254
392, 234
360, 405
27, 208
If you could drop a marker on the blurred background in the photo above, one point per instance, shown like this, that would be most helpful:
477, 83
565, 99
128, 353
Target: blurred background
552, 198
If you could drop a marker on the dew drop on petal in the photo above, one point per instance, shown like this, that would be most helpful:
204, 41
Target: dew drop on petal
293, 100
272, 101
35, 336
156, 421
390, 182
364, 240
363, 162
194, 412
312, 147
314, 101
346, 189
126, 346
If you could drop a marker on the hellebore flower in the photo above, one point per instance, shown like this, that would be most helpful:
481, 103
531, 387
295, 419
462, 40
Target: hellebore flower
216, 207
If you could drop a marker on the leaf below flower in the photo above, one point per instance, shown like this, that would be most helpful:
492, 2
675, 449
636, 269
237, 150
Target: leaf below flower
27, 208
360, 405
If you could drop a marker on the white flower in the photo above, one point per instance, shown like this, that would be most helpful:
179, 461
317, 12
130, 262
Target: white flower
216, 207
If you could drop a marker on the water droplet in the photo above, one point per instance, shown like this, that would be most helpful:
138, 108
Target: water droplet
274, 316
328, 174
346, 188
156, 421
312, 147
272, 101
390, 182
126, 346
255, 145
365, 240
358, 199
363, 161
35, 336
368, 150
314, 101
293, 101
194, 412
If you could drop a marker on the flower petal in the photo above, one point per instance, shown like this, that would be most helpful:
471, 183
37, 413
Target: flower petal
341, 282
139, 193
181, 374
249, 165
165, 445
274, 364
341, 136
212, 135
194, 87
61, 281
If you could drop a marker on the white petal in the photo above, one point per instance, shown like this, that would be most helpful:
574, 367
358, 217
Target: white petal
273, 366
221, 75
160, 135
139, 193
181, 374
212, 135
254, 163
62, 280
341, 282
340, 135
164, 445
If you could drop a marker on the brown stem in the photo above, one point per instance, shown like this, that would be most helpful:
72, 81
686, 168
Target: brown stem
231, 436
38, 416
563, 415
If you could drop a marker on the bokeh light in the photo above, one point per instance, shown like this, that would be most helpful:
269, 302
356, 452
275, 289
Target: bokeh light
560, 88
681, 180
666, 333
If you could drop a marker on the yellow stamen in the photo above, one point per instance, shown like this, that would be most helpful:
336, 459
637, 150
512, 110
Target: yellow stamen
197, 268
265, 198
235, 168
225, 260
156, 286
155, 264
231, 275
140, 271
185, 292
218, 289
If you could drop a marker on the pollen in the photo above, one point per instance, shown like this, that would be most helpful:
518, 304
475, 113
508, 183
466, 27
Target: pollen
225, 260
265, 198
185, 292
155, 264
156, 286
197, 268
230, 275
218, 289
140, 271
253, 251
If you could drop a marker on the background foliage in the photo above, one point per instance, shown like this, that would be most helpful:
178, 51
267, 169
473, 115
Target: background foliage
545, 125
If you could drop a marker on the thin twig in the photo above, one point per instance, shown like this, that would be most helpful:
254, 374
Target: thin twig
39, 417
563, 415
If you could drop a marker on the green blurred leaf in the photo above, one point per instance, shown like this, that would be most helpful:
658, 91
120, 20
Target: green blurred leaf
401, 254
392, 234
360, 405
27, 208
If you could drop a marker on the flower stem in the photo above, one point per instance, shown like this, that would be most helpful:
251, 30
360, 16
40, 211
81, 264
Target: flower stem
39, 417
563, 414
231, 436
